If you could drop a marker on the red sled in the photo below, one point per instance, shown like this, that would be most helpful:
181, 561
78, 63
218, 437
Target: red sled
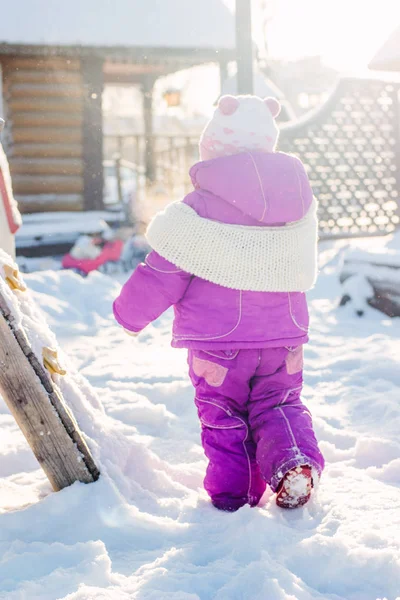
111, 252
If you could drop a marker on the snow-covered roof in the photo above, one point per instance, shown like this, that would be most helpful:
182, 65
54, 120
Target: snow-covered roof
202, 24
388, 57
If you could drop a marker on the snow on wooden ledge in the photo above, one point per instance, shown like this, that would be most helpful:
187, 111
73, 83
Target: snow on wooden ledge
372, 278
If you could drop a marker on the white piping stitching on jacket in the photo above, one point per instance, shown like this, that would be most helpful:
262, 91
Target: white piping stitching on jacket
292, 316
228, 412
261, 187
301, 188
291, 434
221, 357
286, 396
218, 337
220, 426
248, 461
160, 271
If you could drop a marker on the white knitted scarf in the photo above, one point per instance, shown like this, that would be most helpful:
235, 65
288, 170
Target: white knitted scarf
258, 259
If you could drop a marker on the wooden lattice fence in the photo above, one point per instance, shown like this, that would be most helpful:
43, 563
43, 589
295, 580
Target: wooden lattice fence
351, 148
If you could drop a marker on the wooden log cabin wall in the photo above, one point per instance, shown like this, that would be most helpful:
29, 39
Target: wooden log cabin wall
44, 100
49, 104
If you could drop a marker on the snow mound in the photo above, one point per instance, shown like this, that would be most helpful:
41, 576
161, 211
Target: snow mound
146, 530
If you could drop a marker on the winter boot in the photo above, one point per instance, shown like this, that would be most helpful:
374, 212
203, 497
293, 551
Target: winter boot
295, 488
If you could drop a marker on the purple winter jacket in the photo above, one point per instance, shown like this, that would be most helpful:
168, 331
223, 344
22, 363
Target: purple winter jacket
233, 190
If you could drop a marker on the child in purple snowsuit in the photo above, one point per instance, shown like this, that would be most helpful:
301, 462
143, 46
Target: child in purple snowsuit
234, 259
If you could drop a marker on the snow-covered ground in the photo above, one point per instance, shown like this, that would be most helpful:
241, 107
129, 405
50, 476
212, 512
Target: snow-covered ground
146, 530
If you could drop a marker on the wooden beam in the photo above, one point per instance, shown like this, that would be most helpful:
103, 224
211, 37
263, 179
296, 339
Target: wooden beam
223, 74
244, 47
124, 79
45, 90
35, 203
39, 409
148, 87
386, 298
38, 104
47, 184
47, 150
45, 76
47, 119
173, 58
55, 135
39, 63
46, 166
127, 73
92, 147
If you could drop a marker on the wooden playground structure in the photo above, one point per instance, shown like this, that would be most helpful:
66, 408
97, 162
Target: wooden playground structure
33, 397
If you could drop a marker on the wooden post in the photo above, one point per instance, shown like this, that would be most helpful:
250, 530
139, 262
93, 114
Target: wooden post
118, 159
138, 157
148, 86
168, 159
223, 74
244, 47
92, 133
39, 409
140, 179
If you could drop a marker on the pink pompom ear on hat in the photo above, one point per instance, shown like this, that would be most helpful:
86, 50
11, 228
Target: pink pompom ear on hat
273, 105
228, 105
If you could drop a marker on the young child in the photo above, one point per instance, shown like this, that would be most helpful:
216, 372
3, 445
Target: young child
234, 258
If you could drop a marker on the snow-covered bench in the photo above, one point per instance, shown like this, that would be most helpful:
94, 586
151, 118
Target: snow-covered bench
372, 278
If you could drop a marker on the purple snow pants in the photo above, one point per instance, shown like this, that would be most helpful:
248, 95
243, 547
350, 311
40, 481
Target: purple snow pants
254, 425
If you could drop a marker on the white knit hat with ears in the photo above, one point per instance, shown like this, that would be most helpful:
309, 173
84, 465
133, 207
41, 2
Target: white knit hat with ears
241, 124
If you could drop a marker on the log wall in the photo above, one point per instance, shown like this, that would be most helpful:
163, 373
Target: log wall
44, 123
